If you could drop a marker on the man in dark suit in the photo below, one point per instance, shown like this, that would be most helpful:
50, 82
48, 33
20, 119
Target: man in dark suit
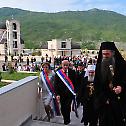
110, 86
62, 91
79, 81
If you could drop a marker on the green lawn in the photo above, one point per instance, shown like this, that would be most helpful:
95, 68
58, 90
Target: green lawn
17, 76
3, 84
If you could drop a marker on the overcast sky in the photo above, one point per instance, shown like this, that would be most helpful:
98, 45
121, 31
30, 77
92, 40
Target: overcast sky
118, 6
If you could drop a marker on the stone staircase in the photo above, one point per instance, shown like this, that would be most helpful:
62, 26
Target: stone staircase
58, 121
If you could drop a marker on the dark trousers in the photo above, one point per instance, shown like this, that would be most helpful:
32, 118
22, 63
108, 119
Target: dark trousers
89, 114
66, 109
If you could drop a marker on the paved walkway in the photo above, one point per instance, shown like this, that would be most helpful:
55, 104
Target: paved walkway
58, 121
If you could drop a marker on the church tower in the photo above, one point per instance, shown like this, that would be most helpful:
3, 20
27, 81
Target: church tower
13, 45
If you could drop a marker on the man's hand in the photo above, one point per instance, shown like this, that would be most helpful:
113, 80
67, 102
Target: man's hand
58, 98
117, 89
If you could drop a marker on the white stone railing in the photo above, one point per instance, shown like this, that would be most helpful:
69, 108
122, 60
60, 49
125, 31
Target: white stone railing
19, 101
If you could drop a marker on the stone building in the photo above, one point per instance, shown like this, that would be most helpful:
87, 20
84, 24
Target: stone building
58, 47
10, 38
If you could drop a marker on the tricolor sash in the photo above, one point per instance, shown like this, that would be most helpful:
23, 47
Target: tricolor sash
51, 90
66, 80
68, 83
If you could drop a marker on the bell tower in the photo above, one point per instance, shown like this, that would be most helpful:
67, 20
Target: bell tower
13, 37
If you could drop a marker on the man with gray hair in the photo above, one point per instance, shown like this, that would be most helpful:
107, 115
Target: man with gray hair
87, 92
64, 87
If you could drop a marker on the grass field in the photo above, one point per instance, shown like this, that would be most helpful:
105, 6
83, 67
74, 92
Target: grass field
17, 75
3, 84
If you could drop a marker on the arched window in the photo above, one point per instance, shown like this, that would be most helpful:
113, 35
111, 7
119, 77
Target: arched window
14, 26
15, 35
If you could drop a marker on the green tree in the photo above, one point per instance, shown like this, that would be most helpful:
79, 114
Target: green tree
88, 45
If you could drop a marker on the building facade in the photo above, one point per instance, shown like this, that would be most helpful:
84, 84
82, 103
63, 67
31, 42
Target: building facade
10, 38
58, 47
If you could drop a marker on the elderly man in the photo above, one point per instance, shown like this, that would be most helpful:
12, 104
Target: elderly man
64, 86
87, 91
110, 86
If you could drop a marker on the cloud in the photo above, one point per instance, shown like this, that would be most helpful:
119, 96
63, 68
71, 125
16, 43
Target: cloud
113, 5
64, 5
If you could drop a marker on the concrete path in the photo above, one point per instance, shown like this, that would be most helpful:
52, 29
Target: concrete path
58, 121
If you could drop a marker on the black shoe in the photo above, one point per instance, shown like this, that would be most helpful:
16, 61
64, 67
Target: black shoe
85, 124
82, 120
66, 122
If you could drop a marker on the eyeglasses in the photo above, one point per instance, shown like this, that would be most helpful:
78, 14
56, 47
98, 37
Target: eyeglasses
45, 67
65, 65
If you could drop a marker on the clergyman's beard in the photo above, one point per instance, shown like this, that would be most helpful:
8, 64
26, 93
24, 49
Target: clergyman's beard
105, 70
90, 78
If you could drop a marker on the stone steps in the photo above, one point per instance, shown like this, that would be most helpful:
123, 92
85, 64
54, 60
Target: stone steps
58, 121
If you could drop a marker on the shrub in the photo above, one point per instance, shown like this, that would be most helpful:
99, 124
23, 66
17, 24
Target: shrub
10, 68
0, 76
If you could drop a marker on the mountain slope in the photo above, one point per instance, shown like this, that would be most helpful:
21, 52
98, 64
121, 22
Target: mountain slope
92, 25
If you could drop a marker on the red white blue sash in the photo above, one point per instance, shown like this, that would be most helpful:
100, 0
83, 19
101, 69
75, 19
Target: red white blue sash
51, 90
48, 83
66, 80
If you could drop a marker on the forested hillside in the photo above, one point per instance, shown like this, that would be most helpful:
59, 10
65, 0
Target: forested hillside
92, 25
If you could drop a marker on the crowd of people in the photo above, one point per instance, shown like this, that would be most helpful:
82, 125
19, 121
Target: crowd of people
98, 85
20, 65
32, 64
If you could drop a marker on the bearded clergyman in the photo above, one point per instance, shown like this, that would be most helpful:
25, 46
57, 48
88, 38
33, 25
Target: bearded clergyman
110, 86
